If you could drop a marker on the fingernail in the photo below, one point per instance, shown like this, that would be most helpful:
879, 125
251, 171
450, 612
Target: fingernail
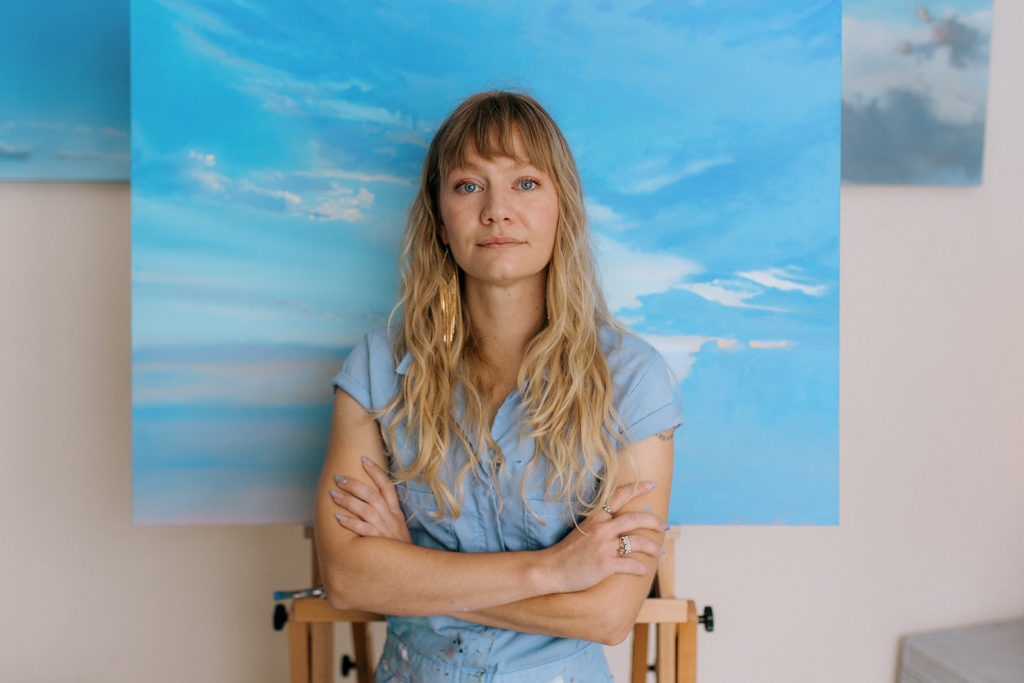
335, 494
662, 551
340, 517
338, 479
651, 484
665, 526
366, 461
647, 508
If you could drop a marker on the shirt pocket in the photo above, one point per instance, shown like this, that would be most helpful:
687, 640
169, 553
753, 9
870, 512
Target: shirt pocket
426, 527
553, 524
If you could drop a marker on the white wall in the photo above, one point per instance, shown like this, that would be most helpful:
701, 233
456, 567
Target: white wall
931, 447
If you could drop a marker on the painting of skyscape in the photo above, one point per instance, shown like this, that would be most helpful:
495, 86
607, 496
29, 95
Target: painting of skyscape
276, 147
915, 81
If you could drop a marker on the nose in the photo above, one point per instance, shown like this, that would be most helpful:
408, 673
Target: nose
497, 208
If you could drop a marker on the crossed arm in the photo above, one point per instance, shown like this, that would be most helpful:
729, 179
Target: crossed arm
580, 587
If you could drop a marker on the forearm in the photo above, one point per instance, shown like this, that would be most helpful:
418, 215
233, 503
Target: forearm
604, 613
389, 577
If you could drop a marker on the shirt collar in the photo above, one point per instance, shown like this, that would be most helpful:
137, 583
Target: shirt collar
403, 367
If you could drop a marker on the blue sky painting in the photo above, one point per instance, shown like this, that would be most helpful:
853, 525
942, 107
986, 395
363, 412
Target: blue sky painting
64, 90
276, 147
915, 83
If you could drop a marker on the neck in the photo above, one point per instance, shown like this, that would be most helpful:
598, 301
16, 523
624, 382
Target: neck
504, 321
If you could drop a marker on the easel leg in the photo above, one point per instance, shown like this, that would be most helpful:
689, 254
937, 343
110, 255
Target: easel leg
686, 647
321, 639
665, 666
363, 652
638, 670
298, 651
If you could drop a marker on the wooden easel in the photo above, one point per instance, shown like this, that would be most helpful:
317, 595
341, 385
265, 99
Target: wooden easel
311, 631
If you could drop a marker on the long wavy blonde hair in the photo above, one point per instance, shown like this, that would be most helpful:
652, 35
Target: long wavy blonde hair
564, 377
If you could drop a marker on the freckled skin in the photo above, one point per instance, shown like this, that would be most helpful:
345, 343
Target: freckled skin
499, 216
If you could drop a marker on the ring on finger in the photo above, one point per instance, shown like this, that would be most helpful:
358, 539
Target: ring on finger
606, 509
625, 548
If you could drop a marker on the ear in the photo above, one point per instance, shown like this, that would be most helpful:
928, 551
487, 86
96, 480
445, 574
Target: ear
442, 232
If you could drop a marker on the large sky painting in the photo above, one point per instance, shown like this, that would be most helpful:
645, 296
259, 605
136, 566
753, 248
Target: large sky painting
64, 90
915, 83
276, 148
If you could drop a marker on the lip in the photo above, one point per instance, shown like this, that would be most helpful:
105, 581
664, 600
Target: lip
499, 243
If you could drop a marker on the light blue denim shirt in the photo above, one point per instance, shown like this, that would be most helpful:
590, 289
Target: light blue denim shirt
494, 518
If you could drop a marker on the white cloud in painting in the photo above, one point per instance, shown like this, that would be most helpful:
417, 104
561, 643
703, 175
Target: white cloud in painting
783, 279
281, 91
13, 152
337, 202
605, 216
342, 204
287, 197
628, 273
727, 293
351, 111
680, 351
766, 344
670, 174
211, 181
204, 159
342, 174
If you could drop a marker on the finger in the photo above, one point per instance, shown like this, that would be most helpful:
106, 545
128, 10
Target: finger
385, 486
626, 493
357, 526
363, 492
633, 521
358, 508
642, 544
627, 565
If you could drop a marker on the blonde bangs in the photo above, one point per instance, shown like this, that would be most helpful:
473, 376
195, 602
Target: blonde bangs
492, 127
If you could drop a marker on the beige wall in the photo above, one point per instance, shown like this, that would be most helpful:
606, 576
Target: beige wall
931, 447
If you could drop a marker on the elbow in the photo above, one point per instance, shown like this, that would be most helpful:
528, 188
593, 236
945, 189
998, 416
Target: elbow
337, 601
615, 636
334, 594
341, 593
614, 629
339, 587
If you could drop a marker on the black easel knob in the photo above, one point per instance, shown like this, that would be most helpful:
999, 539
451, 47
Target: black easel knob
347, 664
280, 617
708, 619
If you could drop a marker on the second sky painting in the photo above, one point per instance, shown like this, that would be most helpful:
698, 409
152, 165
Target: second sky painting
276, 147
915, 84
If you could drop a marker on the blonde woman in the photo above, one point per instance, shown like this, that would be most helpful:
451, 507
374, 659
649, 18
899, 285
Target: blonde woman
500, 458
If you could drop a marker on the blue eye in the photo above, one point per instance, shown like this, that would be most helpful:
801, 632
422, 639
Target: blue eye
527, 184
467, 188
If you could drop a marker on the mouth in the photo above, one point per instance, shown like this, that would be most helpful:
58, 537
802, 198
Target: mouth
499, 243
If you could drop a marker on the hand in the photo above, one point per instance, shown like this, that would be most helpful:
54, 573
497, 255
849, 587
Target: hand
374, 510
590, 553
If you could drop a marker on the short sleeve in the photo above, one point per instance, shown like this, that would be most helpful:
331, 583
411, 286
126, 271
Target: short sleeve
354, 377
651, 407
645, 391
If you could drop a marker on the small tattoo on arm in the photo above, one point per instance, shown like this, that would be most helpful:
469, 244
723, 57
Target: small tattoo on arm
666, 435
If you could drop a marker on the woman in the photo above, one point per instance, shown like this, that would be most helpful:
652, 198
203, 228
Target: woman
499, 463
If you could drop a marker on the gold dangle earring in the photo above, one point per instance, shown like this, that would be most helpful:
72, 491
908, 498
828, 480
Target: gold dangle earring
450, 300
